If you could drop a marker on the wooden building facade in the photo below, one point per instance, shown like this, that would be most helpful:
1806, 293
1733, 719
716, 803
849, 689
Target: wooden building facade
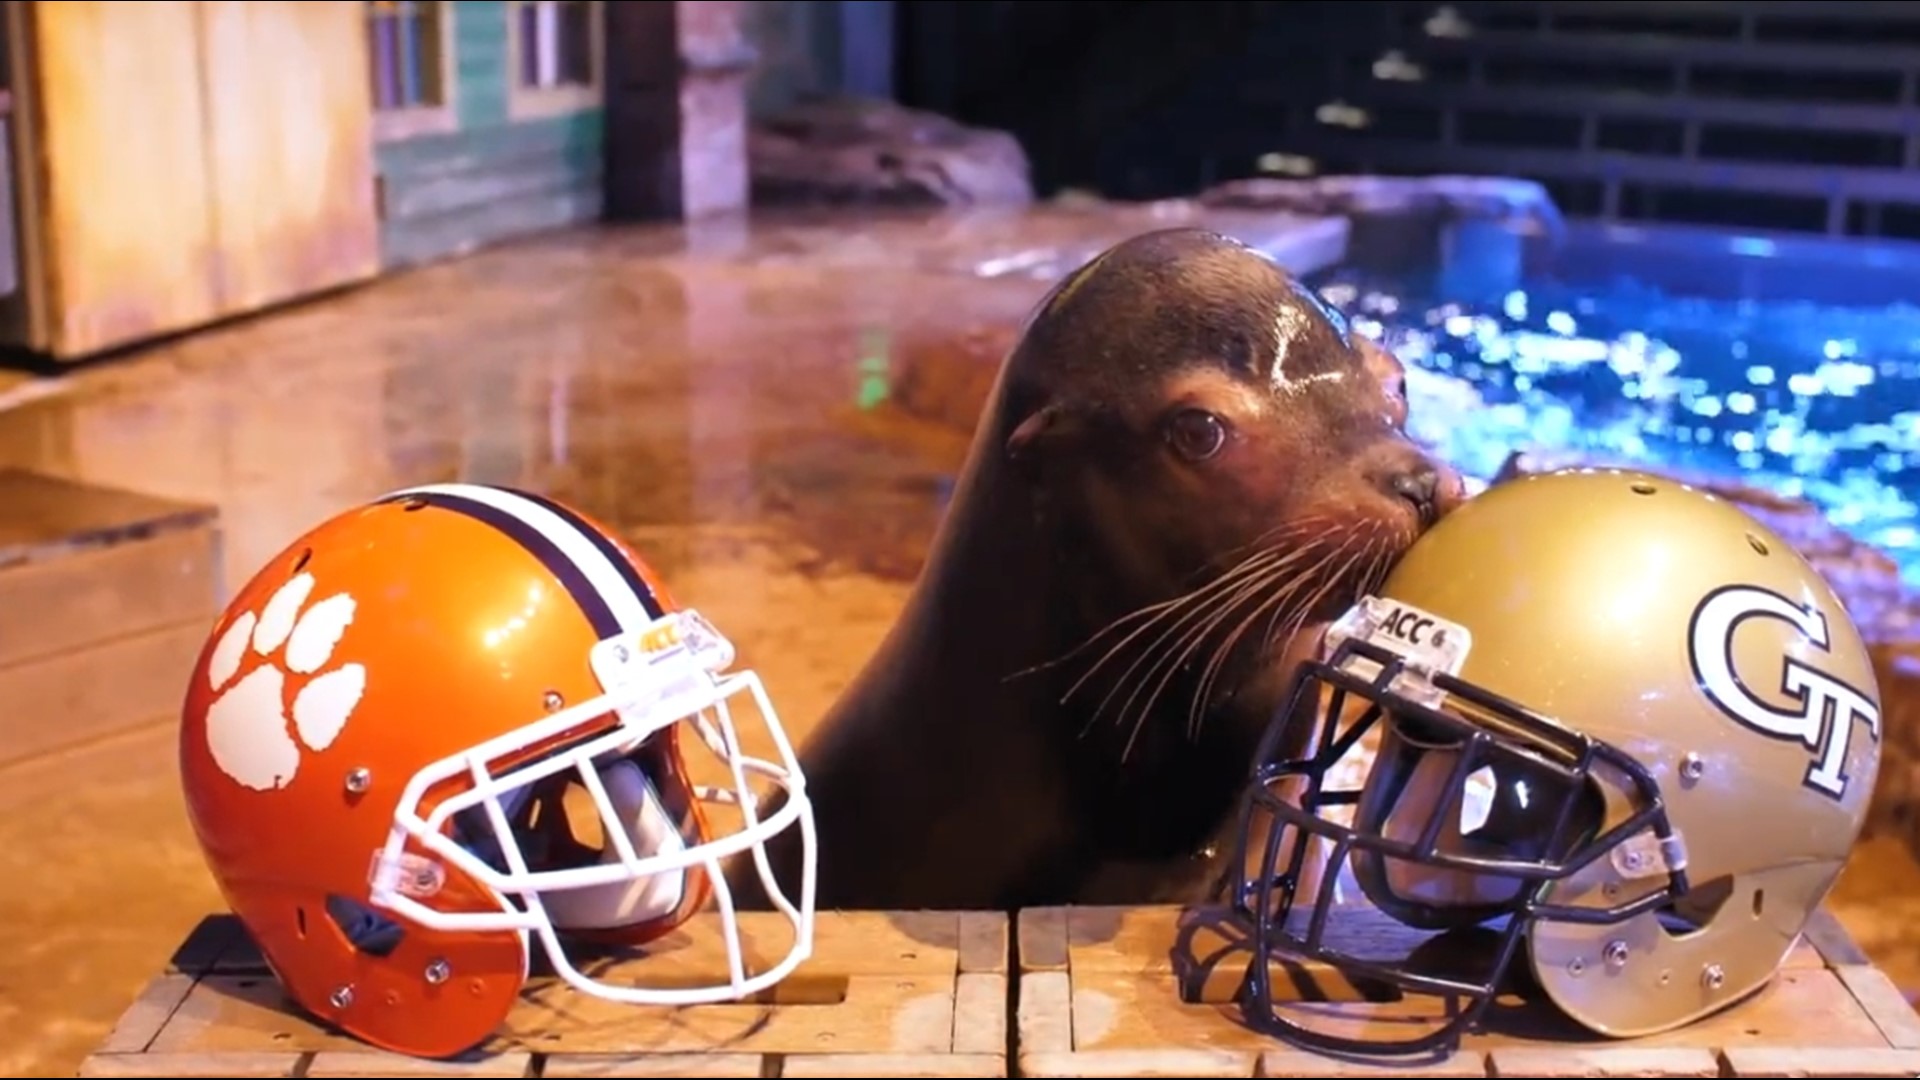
488, 120
172, 163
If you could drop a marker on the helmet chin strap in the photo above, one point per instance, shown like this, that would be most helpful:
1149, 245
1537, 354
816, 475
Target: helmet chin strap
640, 813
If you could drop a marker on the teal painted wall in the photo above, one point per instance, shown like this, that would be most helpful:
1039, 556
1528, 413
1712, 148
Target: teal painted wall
480, 41
493, 178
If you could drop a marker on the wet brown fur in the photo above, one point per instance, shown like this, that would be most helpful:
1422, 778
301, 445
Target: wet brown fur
1066, 709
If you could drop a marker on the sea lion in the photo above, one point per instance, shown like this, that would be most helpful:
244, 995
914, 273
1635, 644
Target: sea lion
1187, 466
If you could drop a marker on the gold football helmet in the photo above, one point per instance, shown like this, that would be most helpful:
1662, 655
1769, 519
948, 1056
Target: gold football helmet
1618, 723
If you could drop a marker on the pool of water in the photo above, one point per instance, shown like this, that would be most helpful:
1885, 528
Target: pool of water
1803, 378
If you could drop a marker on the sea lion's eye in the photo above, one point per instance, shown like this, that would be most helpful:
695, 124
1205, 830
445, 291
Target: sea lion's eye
1196, 434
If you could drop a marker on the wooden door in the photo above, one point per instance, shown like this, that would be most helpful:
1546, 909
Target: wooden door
290, 141
189, 161
116, 191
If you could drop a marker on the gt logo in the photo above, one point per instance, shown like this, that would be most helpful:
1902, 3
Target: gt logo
1826, 709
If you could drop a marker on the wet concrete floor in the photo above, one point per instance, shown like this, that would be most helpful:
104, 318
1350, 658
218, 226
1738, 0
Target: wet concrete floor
772, 415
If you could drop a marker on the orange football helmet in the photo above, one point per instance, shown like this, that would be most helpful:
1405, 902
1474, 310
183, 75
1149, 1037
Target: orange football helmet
379, 733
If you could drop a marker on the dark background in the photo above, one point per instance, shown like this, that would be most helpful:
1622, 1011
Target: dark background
1770, 114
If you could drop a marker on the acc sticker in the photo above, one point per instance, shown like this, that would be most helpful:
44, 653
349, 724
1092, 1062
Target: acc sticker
1429, 643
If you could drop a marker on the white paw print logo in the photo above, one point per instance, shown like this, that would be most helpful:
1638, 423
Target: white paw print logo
250, 728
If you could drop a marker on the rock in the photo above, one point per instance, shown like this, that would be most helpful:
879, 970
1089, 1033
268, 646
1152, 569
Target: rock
849, 150
1885, 608
1453, 198
1481, 232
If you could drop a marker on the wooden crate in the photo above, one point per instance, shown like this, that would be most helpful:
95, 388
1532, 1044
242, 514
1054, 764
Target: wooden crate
1098, 996
884, 994
106, 597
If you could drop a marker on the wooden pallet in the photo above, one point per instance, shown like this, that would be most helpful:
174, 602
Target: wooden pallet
1098, 996
884, 994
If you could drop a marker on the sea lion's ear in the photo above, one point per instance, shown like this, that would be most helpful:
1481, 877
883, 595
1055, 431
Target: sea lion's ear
1033, 431
1388, 371
1381, 364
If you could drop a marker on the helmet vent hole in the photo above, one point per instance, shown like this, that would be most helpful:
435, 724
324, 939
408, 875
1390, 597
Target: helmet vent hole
1759, 902
364, 928
300, 922
1756, 544
414, 502
1641, 487
1696, 910
306, 556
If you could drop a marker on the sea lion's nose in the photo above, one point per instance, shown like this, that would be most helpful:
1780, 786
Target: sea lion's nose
1421, 487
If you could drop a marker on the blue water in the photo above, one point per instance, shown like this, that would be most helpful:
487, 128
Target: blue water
1814, 400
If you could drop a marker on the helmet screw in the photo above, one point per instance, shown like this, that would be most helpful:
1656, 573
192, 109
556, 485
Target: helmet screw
1616, 954
1691, 767
1712, 978
621, 653
553, 701
437, 972
342, 997
1576, 967
358, 780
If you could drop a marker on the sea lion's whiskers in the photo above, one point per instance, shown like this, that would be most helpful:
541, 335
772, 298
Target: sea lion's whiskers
1378, 553
1279, 600
1221, 652
1286, 530
1152, 612
1279, 605
1284, 604
1270, 563
1176, 608
1194, 606
1172, 659
1270, 539
1332, 581
1375, 552
1380, 565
